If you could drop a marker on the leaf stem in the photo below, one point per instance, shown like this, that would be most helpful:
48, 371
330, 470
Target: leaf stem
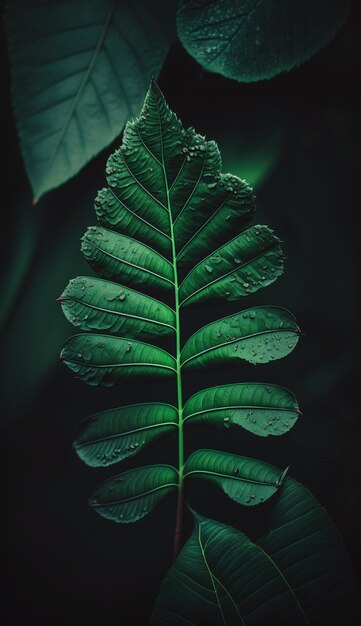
180, 503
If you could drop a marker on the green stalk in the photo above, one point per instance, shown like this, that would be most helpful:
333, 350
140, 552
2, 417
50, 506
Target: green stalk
178, 534
180, 502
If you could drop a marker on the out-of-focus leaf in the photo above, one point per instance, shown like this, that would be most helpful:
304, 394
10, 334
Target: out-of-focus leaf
32, 330
250, 40
79, 71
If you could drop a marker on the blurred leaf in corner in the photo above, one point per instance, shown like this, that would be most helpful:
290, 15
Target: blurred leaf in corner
43, 254
80, 69
250, 40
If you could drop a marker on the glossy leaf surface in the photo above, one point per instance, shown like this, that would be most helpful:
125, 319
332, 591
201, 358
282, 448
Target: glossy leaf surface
251, 40
100, 359
132, 495
93, 304
262, 409
247, 481
256, 335
242, 266
233, 206
126, 260
112, 436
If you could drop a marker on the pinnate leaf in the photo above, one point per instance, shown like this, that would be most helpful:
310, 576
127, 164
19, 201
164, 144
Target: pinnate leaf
262, 409
132, 495
247, 481
105, 360
112, 436
93, 304
121, 258
256, 335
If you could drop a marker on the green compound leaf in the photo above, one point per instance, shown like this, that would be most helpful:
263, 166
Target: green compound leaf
132, 495
262, 409
100, 359
163, 207
93, 304
167, 204
112, 436
78, 74
247, 481
242, 266
256, 335
250, 40
298, 574
121, 258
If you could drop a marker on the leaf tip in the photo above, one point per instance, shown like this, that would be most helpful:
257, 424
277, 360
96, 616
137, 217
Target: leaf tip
92, 500
35, 201
154, 87
197, 516
282, 478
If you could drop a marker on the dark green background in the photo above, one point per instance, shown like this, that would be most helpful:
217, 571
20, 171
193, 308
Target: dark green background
297, 137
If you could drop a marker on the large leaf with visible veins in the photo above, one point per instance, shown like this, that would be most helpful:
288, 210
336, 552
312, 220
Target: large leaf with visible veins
80, 70
298, 574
